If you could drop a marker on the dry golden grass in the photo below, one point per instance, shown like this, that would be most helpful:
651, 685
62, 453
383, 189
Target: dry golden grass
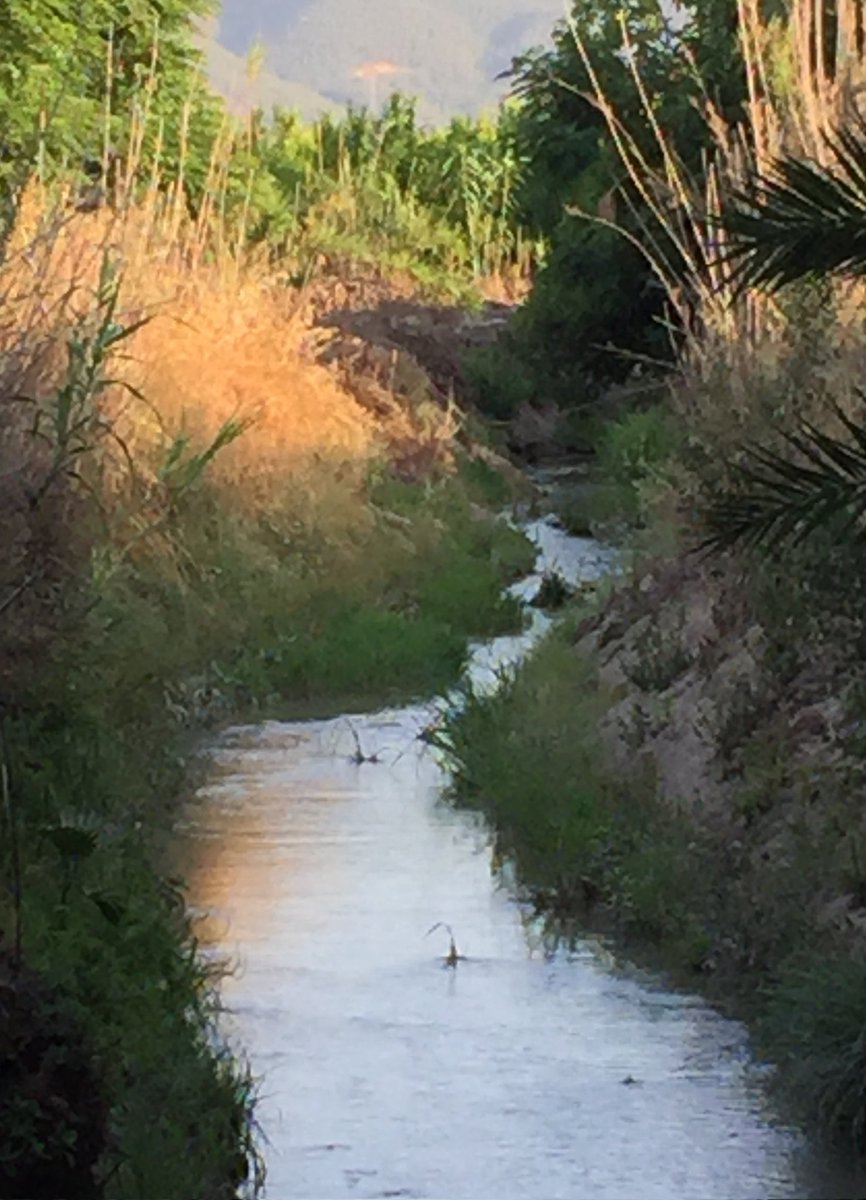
220, 341
223, 341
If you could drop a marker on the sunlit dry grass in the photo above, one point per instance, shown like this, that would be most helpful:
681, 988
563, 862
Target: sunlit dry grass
217, 342
220, 338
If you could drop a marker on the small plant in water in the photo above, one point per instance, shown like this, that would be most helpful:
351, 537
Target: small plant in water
452, 958
553, 593
359, 757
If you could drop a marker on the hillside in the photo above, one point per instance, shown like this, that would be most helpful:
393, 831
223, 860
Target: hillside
321, 52
228, 74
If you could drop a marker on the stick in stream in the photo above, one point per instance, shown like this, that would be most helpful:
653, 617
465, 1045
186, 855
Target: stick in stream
359, 757
452, 958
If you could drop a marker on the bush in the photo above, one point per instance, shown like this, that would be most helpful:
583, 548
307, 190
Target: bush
499, 383
594, 306
637, 446
813, 1028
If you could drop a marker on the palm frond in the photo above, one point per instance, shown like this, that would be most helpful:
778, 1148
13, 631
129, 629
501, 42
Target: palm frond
781, 499
801, 218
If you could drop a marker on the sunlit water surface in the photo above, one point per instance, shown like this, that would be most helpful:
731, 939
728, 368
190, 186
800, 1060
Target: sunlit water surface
520, 1073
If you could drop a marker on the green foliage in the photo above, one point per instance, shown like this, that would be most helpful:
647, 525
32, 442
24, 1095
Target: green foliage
594, 306
499, 380
117, 90
109, 933
360, 652
636, 458
596, 302
813, 1027
637, 446
381, 187
71, 76
797, 220
527, 756
70, 422
801, 218
819, 486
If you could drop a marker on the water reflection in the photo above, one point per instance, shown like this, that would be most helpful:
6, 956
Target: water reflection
520, 1074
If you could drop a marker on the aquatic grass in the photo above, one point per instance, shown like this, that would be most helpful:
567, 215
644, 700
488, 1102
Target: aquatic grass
812, 1025
528, 756
515, 757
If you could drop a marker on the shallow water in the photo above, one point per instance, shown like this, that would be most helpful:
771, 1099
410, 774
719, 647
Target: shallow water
519, 1074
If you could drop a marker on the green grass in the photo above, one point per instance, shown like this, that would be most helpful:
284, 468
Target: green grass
813, 1027
529, 758
107, 935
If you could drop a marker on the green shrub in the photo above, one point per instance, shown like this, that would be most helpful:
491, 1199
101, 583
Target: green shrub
813, 1027
499, 382
528, 757
637, 446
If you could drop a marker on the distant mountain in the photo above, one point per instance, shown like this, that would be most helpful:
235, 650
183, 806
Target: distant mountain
321, 53
230, 76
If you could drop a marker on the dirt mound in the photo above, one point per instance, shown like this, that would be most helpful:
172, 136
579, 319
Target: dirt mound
437, 336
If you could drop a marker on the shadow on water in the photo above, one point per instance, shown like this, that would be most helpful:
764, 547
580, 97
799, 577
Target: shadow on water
522, 1071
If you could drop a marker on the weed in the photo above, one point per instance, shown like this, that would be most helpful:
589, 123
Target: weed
498, 382
528, 757
553, 592
813, 1027
658, 659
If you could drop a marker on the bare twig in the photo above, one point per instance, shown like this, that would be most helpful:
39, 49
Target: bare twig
15, 851
19, 590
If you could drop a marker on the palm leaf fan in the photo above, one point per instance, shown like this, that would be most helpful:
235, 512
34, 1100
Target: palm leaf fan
800, 218
780, 499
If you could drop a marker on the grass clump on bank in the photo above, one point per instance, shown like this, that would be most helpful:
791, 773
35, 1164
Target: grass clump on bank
528, 756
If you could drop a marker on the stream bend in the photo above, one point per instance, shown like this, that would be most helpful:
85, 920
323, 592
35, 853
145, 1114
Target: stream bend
520, 1074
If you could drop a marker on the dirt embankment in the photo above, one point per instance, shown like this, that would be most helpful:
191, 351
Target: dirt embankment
751, 732
402, 357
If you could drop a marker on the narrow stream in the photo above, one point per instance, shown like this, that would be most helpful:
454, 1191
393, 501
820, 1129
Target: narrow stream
521, 1074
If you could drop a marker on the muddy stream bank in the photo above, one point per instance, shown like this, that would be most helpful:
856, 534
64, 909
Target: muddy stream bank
524, 1072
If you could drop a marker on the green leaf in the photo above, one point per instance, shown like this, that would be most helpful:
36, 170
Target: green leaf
71, 841
110, 908
780, 499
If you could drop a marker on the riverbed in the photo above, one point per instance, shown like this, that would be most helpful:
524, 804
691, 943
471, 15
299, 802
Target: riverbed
322, 854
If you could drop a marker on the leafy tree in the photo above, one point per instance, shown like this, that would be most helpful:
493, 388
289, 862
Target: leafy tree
597, 293
73, 71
